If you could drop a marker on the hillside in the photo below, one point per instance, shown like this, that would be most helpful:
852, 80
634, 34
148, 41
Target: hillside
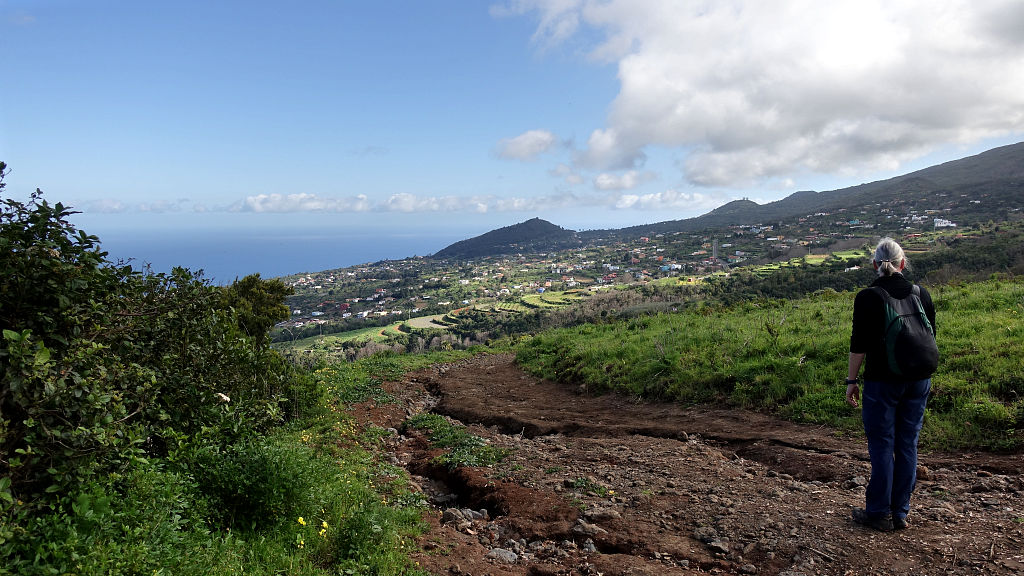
977, 189
993, 183
532, 236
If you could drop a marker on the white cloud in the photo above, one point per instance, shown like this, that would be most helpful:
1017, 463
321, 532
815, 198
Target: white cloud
751, 91
527, 146
567, 173
669, 200
162, 206
480, 204
606, 150
106, 206
626, 181
559, 19
114, 206
302, 202
408, 203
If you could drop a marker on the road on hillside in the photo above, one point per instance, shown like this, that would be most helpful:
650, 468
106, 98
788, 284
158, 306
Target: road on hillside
615, 486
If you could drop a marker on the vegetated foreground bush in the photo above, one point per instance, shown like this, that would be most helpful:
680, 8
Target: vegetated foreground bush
141, 425
102, 364
790, 357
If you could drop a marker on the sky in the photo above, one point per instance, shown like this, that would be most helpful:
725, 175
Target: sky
469, 115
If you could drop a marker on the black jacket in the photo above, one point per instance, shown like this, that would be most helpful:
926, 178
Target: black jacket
869, 323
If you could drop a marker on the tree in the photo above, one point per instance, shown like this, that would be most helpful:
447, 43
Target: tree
258, 304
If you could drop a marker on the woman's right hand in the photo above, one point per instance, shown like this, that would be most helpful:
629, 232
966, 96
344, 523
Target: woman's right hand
853, 395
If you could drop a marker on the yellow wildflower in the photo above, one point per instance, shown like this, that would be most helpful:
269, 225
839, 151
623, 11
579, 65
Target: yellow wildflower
302, 521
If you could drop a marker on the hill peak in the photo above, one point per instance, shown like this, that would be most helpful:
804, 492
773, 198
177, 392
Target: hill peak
533, 235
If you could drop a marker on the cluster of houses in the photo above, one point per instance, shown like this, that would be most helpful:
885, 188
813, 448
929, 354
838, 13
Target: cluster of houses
413, 286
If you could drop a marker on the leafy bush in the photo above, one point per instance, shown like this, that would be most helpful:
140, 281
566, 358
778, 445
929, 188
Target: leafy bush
131, 410
255, 483
133, 524
100, 364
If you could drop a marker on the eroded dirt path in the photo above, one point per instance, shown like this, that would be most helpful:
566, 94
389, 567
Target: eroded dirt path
606, 485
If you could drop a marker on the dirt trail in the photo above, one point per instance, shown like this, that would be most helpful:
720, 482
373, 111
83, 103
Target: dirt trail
607, 485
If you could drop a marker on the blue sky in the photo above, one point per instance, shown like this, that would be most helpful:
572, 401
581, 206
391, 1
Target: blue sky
476, 115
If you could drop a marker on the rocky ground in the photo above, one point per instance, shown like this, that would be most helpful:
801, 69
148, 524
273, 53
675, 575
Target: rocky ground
609, 485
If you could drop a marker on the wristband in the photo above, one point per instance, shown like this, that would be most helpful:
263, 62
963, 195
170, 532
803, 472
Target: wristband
852, 381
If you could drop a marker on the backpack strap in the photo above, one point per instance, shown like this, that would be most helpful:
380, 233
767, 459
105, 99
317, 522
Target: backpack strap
882, 293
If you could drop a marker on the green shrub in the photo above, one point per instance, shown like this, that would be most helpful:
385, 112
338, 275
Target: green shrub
100, 364
256, 483
134, 524
461, 448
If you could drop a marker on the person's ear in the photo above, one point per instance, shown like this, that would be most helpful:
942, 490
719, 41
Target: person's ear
903, 262
875, 264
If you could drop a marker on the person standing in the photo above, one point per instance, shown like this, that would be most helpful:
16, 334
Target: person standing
893, 400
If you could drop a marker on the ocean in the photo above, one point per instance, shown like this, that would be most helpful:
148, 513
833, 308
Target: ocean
224, 255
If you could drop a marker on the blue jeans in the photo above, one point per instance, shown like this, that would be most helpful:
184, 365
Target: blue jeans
892, 414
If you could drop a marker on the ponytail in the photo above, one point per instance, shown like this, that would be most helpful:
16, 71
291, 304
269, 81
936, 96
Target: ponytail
888, 257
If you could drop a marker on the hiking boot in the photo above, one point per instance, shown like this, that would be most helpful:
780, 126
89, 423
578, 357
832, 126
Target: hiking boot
899, 523
880, 523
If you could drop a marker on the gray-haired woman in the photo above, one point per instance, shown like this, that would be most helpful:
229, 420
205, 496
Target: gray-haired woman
893, 404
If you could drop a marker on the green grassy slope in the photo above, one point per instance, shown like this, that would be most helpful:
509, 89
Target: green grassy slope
789, 357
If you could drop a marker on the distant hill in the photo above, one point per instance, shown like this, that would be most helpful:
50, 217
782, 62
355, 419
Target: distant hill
994, 179
980, 188
532, 236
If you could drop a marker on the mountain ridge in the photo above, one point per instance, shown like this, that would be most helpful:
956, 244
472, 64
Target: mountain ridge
996, 174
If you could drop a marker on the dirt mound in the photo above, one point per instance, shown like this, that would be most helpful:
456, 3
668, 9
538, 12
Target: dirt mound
610, 485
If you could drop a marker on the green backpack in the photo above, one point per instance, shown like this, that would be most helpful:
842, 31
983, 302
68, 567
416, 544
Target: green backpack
909, 337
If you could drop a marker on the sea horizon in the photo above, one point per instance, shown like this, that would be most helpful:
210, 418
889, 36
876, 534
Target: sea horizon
224, 255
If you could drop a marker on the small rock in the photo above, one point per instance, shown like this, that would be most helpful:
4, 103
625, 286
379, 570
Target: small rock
602, 514
923, 473
719, 546
587, 529
705, 534
452, 516
941, 512
589, 547
748, 569
984, 474
859, 481
503, 556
